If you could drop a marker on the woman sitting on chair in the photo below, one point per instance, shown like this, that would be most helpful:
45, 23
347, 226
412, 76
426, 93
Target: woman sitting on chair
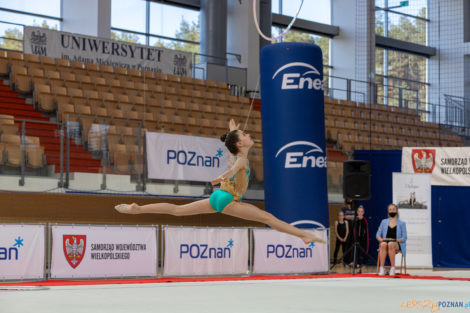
392, 238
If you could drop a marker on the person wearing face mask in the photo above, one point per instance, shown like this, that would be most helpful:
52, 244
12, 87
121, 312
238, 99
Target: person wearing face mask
392, 238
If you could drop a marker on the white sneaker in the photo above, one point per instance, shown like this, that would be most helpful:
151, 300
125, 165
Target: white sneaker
392, 271
382, 271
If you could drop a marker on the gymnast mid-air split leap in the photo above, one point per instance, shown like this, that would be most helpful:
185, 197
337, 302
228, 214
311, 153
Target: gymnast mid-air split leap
226, 200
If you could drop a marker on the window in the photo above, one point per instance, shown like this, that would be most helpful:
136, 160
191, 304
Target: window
128, 14
406, 23
28, 11
299, 36
167, 26
184, 27
312, 10
403, 82
44, 7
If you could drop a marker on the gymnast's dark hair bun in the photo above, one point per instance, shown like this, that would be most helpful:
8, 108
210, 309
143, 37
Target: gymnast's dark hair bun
223, 137
230, 139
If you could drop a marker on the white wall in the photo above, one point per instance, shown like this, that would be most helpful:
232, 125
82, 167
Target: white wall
88, 17
243, 39
350, 50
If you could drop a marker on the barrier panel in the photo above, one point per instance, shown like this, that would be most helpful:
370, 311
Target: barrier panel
22, 253
182, 157
103, 251
279, 253
191, 251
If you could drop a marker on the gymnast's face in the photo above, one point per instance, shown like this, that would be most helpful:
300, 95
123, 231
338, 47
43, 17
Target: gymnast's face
245, 139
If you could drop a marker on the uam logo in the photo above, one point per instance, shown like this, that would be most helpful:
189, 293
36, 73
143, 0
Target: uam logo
297, 80
300, 159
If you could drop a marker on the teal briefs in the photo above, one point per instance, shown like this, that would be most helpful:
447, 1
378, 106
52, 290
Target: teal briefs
219, 199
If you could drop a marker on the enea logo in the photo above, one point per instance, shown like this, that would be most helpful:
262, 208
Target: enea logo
11, 253
204, 251
297, 80
289, 252
300, 159
191, 158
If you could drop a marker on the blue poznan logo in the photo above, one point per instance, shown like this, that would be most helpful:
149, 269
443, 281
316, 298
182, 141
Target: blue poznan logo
300, 79
191, 158
288, 251
9, 253
204, 251
303, 159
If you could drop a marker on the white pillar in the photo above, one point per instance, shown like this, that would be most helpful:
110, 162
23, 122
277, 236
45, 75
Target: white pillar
87, 17
243, 39
352, 52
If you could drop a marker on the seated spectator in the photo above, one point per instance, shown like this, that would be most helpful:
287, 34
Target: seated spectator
392, 238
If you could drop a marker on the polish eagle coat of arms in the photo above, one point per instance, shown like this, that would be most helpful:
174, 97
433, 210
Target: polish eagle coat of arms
74, 249
423, 160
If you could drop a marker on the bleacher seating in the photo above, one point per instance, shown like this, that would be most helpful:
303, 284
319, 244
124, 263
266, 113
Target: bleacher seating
89, 93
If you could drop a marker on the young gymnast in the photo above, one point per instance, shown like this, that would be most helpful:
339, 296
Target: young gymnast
227, 199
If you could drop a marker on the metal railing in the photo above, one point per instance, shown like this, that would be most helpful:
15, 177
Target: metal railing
23, 145
103, 149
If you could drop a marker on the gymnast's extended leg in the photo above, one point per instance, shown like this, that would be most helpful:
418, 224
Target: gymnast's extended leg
193, 208
250, 212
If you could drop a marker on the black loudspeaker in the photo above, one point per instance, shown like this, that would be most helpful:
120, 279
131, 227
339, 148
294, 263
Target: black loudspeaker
356, 180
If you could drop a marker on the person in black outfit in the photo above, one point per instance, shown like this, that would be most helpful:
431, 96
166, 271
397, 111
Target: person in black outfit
349, 214
361, 233
342, 231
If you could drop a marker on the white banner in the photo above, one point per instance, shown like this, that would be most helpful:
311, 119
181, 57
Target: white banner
412, 194
88, 49
103, 251
22, 251
279, 253
193, 251
448, 166
182, 157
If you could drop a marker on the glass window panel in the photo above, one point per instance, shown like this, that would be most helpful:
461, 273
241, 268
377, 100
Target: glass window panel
127, 37
28, 20
408, 66
128, 14
402, 27
12, 35
415, 7
404, 84
172, 21
298, 36
173, 44
275, 6
312, 10
45, 7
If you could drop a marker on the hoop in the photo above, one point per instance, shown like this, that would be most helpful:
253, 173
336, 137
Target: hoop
284, 32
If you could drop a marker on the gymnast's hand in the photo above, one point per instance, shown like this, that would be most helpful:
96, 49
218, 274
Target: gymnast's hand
217, 181
233, 125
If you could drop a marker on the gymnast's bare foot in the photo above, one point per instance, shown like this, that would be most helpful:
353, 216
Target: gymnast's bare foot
312, 238
128, 208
